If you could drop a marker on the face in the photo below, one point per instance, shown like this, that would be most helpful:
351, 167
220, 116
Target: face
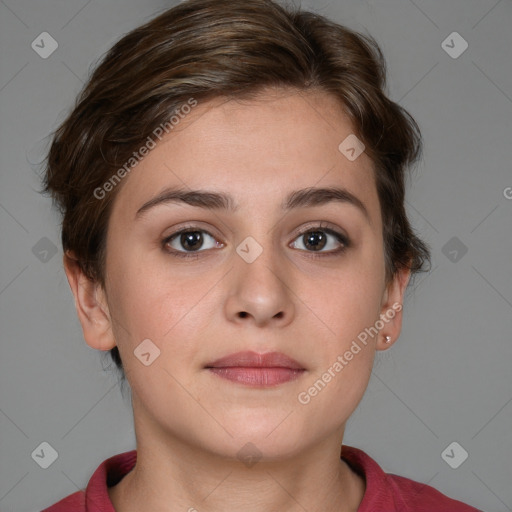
266, 272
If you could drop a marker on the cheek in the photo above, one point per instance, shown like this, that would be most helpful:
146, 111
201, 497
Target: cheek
150, 300
344, 357
349, 299
330, 397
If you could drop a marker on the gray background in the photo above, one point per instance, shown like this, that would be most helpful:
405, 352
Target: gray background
448, 377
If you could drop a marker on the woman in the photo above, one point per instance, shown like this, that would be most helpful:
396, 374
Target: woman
232, 185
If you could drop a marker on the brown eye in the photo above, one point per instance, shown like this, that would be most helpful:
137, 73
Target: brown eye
189, 241
316, 240
192, 240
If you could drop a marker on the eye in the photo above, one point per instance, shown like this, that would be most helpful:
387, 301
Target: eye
192, 240
318, 238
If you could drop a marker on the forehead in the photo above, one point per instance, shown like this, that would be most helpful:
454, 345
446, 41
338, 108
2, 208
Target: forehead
257, 150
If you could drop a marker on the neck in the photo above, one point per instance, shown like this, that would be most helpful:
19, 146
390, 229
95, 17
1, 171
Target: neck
171, 476
176, 473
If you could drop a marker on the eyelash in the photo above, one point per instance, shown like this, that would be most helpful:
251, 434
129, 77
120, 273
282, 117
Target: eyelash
310, 229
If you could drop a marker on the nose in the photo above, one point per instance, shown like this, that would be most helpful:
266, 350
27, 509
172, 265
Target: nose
260, 292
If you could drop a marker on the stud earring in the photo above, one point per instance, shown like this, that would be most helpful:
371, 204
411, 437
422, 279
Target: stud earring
388, 339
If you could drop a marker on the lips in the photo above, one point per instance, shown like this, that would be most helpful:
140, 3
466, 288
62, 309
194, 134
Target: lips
257, 370
254, 360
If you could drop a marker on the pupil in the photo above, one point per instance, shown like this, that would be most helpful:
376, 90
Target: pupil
192, 240
315, 239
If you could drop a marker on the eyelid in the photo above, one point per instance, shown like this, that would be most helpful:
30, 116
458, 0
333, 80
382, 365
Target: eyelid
192, 226
321, 226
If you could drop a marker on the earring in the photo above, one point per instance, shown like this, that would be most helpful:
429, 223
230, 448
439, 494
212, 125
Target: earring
387, 340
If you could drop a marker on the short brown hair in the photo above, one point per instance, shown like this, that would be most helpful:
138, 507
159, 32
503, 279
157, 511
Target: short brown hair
204, 49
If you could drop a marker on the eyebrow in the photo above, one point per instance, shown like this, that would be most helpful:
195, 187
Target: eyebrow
210, 200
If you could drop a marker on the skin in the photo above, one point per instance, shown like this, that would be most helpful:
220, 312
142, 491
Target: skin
190, 423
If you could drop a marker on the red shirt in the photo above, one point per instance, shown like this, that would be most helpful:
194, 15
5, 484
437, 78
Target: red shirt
385, 492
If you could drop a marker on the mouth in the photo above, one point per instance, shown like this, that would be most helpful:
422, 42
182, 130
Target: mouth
257, 370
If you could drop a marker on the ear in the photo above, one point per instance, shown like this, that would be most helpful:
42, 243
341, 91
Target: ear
91, 305
391, 308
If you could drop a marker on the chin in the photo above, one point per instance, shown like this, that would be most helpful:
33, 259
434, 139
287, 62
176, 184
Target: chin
271, 436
